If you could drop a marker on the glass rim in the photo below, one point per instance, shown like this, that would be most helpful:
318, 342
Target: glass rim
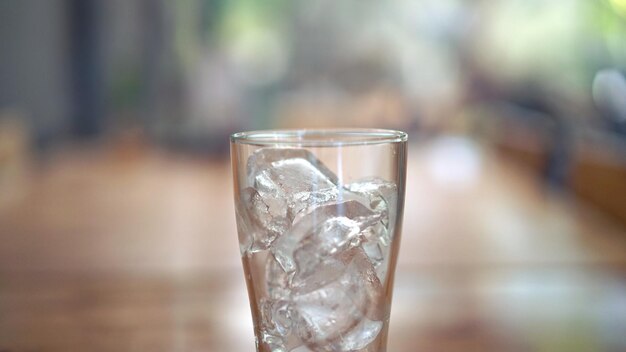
324, 137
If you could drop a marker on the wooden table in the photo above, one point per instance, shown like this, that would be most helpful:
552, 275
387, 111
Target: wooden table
134, 249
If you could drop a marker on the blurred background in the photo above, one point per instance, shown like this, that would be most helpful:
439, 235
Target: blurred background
117, 226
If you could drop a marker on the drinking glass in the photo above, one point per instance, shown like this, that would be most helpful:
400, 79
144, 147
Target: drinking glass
319, 216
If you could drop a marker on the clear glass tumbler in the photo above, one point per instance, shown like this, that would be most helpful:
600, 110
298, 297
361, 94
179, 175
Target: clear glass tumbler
319, 215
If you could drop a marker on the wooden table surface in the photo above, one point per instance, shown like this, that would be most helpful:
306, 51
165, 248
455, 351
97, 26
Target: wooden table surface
134, 249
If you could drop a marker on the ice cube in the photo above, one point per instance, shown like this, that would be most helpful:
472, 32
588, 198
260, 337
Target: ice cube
304, 203
383, 196
257, 224
276, 317
373, 252
320, 273
273, 343
260, 220
265, 157
364, 333
276, 280
341, 220
286, 178
286, 188
324, 315
360, 277
332, 236
377, 249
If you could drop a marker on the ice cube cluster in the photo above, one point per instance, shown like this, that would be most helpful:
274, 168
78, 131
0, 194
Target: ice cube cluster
328, 245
